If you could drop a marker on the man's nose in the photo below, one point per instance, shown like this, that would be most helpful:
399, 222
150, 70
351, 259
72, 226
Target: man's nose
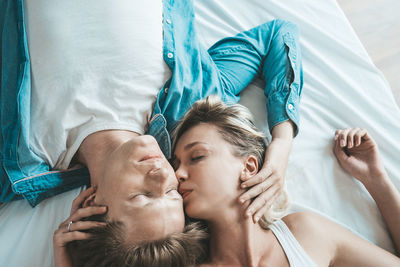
159, 177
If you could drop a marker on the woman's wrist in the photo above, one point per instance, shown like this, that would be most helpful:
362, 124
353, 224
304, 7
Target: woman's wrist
377, 184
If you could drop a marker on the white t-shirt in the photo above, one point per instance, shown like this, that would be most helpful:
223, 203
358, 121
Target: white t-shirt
96, 65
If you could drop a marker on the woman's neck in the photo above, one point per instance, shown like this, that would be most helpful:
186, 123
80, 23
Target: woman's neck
237, 241
96, 148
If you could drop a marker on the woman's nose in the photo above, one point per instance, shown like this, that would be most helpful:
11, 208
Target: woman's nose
181, 175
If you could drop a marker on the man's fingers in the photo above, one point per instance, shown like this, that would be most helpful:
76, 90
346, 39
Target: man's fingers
261, 200
65, 234
83, 225
65, 238
257, 179
81, 198
261, 176
257, 216
86, 212
257, 189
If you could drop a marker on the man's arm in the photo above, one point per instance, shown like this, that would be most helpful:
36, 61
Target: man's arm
267, 185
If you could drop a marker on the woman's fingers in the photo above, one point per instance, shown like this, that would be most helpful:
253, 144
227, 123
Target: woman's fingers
342, 136
350, 137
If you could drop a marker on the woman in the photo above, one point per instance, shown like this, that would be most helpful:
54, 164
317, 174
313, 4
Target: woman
216, 146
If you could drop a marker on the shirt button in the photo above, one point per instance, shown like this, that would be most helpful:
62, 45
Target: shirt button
166, 90
168, 21
290, 106
170, 55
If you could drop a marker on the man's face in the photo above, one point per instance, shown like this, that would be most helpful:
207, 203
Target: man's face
139, 188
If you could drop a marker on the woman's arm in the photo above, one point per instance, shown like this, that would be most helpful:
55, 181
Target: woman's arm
358, 154
329, 244
387, 199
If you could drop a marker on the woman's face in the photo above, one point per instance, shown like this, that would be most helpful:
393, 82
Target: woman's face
207, 170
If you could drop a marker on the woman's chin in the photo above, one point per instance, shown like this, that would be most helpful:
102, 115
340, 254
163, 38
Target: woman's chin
195, 212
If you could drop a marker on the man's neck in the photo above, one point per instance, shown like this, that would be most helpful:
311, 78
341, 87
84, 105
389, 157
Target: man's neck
95, 149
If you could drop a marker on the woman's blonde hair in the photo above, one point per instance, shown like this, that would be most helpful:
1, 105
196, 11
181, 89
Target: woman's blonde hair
236, 126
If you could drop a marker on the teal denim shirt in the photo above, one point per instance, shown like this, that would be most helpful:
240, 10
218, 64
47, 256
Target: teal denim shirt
270, 50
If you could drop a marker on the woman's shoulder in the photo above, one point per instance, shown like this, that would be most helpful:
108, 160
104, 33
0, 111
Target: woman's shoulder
299, 222
312, 232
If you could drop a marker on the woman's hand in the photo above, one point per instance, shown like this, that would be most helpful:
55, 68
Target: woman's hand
267, 185
358, 154
71, 229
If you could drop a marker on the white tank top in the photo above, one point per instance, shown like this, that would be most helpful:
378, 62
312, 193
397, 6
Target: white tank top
96, 65
295, 253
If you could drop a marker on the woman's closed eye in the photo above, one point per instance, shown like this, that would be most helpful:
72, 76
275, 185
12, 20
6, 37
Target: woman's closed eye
198, 155
197, 158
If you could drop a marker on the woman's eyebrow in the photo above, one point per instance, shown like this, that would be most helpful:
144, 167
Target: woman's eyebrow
189, 146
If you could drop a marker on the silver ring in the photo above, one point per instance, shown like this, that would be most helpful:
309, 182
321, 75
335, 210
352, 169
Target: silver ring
69, 226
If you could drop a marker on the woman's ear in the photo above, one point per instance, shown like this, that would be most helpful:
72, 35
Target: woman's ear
250, 167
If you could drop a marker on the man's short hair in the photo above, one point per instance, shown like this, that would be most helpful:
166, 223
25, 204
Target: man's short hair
107, 247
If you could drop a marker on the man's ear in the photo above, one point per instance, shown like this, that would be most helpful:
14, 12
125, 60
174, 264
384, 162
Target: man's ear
250, 167
90, 201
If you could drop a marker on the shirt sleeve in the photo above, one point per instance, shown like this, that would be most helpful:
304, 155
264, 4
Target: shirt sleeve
283, 74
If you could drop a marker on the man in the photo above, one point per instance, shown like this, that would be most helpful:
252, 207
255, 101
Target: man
68, 39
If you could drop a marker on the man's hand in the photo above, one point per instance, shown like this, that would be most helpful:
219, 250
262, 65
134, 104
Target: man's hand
73, 227
269, 182
358, 154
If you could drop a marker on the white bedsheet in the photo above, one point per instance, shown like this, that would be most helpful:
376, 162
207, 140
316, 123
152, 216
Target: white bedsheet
342, 89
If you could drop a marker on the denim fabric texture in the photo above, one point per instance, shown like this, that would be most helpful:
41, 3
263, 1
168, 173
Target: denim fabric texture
270, 51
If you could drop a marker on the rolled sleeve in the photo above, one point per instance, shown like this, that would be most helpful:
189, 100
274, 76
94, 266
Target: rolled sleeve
284, 76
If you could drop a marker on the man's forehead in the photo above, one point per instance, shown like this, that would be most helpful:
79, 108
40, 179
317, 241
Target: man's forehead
154, 224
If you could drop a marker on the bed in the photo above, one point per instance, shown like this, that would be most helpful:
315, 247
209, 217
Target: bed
342, 89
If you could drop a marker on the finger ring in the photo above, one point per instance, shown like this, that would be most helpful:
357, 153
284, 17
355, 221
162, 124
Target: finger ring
69, 226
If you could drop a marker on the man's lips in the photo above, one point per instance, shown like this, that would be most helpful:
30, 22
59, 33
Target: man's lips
148, 157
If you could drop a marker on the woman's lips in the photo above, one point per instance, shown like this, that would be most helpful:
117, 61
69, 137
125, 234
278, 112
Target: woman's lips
185, 193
